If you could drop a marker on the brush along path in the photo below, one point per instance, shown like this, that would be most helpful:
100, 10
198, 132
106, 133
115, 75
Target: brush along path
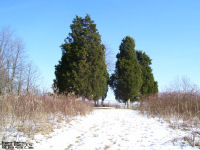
114, 129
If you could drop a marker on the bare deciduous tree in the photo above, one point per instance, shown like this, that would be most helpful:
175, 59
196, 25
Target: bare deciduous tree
110, 59
5, 51
31, 78
16, 75
16, 58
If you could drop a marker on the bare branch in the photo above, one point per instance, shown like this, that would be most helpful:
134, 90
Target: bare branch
110, 59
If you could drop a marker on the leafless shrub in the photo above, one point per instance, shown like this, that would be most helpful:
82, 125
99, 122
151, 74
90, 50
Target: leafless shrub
183, 105
179, 106
183, 102
31, 113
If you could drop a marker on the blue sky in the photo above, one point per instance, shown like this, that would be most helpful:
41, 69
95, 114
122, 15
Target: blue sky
167, 30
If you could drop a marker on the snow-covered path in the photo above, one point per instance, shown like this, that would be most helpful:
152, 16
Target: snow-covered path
113, 129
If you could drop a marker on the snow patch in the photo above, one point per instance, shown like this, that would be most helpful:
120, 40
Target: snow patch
113, 129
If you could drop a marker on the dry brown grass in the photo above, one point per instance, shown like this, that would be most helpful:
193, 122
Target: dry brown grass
173, 104
180, 107
38, 113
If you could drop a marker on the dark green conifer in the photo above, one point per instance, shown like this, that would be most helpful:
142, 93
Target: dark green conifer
127, 79
149, 86
82, 68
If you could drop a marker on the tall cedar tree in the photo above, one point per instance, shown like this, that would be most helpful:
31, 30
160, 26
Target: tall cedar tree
126, 81
82, 68
149, 86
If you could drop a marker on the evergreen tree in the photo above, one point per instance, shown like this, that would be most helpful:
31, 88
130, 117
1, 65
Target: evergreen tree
149, 86
126, 81
82, 68
105, 95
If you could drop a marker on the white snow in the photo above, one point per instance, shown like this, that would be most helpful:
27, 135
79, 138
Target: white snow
113, 129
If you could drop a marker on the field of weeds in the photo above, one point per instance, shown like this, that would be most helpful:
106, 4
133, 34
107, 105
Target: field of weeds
184, 106
179, 106
33, 114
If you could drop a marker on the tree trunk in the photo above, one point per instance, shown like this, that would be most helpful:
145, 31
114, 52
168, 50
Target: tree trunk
14, 66
128, 103
95, 103
28, 78
102, 103
83, 98
19, 88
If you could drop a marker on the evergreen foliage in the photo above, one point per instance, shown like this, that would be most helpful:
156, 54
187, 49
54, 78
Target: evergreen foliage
149, 86
82, 67
127, 79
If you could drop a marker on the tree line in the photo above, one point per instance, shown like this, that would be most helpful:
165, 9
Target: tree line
17, 73
82, 69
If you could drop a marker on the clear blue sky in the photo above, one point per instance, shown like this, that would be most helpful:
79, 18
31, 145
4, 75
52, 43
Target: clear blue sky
167, 30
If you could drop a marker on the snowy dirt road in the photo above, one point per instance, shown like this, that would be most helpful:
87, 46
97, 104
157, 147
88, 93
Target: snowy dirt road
113, 129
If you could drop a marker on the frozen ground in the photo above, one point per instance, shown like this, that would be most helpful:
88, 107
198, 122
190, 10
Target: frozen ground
113, 129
